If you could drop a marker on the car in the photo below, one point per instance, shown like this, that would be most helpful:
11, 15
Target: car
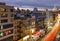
42, 32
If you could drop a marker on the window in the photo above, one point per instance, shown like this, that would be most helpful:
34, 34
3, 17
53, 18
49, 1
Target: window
12, 15
1, 34
0, 27
2, 10
8, 39
4, 15
7, 26
12, 19
4, 20
11, 10
10, 31
44, 14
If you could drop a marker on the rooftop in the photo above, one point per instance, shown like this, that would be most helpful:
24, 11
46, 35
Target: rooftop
2, 3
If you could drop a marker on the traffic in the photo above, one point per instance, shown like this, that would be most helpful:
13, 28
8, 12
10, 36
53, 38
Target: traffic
35, 36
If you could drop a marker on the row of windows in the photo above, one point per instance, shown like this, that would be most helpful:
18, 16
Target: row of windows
6, 33
5, 10
6, 15
6, 20
8, 39
6, 26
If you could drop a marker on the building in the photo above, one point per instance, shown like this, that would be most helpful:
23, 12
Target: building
45, 16
31, 19
22, 23
39, 17
51, 15
6, 22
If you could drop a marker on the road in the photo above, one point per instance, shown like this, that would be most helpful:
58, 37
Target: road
50, 36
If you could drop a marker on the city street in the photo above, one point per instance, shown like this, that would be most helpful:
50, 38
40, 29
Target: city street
50, 36
29, 20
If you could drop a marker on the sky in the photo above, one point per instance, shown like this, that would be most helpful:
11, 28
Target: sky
32, 3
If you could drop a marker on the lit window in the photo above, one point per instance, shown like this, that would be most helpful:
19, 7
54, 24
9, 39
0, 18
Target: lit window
10, 31
1, 27
4, 15
1, 34
2, 10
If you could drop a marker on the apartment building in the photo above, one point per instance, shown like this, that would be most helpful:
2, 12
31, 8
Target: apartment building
6, 22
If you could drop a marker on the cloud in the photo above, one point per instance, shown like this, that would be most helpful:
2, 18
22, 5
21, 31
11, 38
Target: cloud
32, 3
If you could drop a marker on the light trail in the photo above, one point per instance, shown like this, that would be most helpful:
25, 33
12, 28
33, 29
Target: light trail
54, 31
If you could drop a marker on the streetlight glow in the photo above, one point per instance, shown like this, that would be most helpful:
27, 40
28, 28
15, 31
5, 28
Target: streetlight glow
59, 16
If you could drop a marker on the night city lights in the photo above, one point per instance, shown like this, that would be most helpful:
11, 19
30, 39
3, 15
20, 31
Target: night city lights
29, 20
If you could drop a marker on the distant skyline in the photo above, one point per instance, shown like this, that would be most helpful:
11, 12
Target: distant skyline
33, 3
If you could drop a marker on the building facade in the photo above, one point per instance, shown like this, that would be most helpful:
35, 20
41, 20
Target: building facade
6, 22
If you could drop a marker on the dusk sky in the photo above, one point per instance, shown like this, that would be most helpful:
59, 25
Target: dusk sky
32, 3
